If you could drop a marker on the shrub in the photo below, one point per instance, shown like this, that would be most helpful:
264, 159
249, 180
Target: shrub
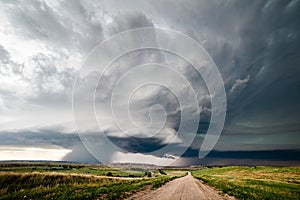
109, 174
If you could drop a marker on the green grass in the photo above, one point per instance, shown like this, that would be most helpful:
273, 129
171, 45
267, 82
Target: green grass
254, 182
77, 169
73, 181
58, 186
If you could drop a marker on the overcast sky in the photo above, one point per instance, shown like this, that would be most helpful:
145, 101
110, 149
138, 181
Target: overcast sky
43, 44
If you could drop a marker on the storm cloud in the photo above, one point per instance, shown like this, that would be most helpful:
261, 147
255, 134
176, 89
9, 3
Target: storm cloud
255, 45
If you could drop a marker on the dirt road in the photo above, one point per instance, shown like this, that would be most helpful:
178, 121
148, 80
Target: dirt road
182, 188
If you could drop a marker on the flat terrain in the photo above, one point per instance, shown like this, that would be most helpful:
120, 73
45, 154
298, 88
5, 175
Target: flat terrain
40, 180
184, 188
71, 181
254, 182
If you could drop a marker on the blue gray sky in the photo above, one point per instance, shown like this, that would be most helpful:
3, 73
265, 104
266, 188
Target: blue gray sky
255, 45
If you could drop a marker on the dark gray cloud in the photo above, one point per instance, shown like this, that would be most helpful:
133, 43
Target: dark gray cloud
256, 46
39, 138
80, 154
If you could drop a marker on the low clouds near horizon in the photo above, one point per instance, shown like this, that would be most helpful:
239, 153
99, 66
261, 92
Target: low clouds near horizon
255, 45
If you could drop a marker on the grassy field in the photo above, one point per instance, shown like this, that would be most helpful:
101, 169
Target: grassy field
55, 181
73, 181
71, 168
254, 182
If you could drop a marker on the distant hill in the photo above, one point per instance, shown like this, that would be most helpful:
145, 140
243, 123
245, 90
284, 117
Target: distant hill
134, 165
214, 158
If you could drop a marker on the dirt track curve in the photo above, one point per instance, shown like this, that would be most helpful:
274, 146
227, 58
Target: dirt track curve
182, 188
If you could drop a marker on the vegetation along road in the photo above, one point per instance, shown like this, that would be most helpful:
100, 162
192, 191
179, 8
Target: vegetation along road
182, 189
52, 180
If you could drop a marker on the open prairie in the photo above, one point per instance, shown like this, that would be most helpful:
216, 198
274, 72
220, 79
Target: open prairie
73, 181
254, 182
78, 181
